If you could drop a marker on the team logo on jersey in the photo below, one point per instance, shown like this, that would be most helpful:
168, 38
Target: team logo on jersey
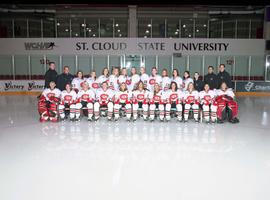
140, 97
152, 81
191, 98
85, 96
128, 82
207, 97
248, 86
67, 98
173, 96
123, 96
157, 98
50, 95
95, 85
104, 96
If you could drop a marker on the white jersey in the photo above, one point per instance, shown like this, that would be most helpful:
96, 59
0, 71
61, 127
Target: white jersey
166, 82
186, 82
102, 79
104, 96
134, 80
93, 83
173, 96
179, 81
153, 80
68, 97
48, 93
88, 95
207, 97
113, 82
123, 96
191, 97
158, 97
124, 79
228, 92
77, 83
140, 96
145, 78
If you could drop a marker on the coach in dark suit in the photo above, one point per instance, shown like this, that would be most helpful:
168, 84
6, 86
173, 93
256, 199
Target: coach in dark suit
50, 75
211, 78
224, 76
64, 79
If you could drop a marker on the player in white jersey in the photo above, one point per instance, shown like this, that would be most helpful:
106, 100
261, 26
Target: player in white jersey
144, 77
48, 102
67, 104
135, 78
208, 103
140, 100
113, 79
153, 79
227, 107
157, 101
122, 99
92, 81
166, 80
123, 78
176, 78
191, 101
104, 99
85, 100
186, 80
77, 81
104, 77
174, 98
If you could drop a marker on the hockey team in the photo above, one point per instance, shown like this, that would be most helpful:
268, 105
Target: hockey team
151, 97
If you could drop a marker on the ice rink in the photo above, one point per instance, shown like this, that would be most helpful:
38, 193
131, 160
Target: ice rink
133, 161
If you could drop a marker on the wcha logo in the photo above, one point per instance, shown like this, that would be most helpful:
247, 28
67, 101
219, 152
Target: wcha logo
249, 86
39, 45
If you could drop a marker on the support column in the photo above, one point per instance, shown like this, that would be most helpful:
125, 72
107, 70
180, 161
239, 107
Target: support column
132, 21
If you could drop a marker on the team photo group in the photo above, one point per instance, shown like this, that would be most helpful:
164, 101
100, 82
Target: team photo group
129, 96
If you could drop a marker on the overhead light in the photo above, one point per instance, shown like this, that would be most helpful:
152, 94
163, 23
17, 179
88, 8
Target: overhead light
147, 31
267, 64
128, 65
94, 35
145, 36
118, 30
120, 35
89, 30
149, 25
66, 30
83, 25
189, 35
177, 29
116, 25
197, 30
76, 34
204, 25
176, 33
58, 24
184, 26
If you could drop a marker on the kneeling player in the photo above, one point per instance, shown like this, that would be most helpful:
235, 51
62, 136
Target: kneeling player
48, 102
174, 100
104, 98
191, 101
157, 101
122, 100
85, 100
140, 100
68, 103
207, 100
226, 106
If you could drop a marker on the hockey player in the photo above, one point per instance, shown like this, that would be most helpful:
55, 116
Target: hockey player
104, 76
77, 81
92, 81
157, 101
140, 99
85, 100
166, 81
123, 78
135, 78
176, 78
191, 101
104, 98
208, 103
227, 107
48, 102
186, 80
174, 98
122, 99
144, 77
153, 79
68, 101
113, 79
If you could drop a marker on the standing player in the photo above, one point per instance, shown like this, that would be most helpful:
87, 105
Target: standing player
68, 101
92, 81
123, 78
186, 80
85, 100
153, 79
77, 81
174, 98
144, 77
122, 100
113, 79
157, 101
176, 78
166, 81
140, 100
48, 102
191, 101
227, 107
104, 76
207, 100
104, 98
135, 78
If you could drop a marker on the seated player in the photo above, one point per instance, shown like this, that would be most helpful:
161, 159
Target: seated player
174, 99
92, 81
68, 103
191, 101
48, 103
208, 103
77, 81
140, 100
122, 100
166, 80
104, 99
157, 101
85, 100
227, 107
